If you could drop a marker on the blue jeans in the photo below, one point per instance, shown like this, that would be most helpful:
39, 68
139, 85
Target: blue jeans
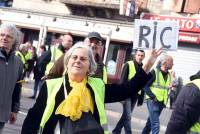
125, 120
153, 123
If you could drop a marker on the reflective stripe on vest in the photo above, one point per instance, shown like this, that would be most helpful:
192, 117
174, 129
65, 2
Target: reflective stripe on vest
132, 70
56, 53
98, 87
105, 78
159, 87
195, 129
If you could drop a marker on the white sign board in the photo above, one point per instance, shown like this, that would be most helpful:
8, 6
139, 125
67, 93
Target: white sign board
156, 34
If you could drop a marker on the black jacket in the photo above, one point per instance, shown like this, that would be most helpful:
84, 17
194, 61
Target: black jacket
39, 68
186, 111
124, 78
113, 93
31, 62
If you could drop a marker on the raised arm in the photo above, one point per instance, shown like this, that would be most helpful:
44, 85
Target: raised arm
152, 55
119, 92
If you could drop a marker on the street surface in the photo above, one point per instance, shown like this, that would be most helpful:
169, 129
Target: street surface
139, 115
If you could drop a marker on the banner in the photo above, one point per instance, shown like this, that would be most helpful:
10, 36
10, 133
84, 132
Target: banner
156, 34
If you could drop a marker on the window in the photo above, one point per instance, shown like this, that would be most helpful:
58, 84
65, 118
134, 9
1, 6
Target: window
118, 53
112, 58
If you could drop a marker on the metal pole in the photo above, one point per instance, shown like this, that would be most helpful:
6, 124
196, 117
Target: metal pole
107, 46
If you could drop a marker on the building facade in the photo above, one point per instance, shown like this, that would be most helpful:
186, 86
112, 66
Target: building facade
41, 20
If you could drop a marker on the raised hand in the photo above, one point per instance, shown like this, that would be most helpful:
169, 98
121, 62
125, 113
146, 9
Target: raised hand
152, 55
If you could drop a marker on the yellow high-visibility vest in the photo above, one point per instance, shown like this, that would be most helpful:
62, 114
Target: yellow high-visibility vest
160, 87
105, 77
23, 59
56, 53
132, 69
98, 87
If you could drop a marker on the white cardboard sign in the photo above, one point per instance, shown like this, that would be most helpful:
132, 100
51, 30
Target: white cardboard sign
156, 34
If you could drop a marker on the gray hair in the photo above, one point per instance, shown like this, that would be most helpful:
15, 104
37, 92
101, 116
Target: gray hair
16, 33
22, 47
92, 66
163, 59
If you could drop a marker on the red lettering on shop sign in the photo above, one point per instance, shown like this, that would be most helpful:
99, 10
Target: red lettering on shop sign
187, 24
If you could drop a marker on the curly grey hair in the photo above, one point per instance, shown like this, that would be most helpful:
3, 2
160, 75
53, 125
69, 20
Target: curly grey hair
92, 66
15, 32
163, 59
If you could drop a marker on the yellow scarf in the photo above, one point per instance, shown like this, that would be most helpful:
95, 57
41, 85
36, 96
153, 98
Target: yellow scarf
79, 100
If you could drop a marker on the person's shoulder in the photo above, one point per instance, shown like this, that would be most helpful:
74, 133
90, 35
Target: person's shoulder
54, 79
192, 87
153, 72
61, 59
95, 80
126, 64
45, 55
129, 61
18, 64
47, 52
190, 91
17, 59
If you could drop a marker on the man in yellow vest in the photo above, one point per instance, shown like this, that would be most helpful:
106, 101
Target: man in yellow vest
185, 118
29, 47
129, 70
157, 93
55, 52
94, 40
21, 53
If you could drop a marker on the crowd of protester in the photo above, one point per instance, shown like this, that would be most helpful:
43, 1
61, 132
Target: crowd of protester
71, 87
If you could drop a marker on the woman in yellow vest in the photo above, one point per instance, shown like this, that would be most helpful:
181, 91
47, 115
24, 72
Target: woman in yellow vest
76, 100
185, 118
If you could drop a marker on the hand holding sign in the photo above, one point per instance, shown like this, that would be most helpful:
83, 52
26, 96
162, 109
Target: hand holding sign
156, 34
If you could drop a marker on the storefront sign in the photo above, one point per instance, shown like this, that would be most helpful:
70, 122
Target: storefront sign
156, 34
187, 24
189, 37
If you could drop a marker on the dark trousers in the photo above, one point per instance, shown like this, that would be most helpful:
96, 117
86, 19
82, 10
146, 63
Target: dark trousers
125, 120
2, 124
